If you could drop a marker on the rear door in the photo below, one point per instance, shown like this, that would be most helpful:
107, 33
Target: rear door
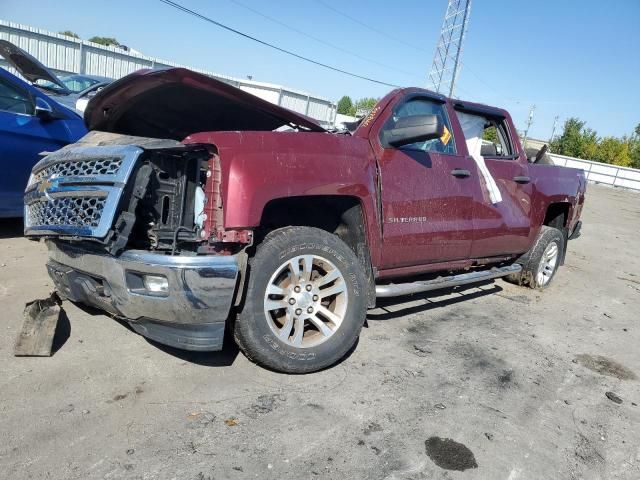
426, 190
503, 227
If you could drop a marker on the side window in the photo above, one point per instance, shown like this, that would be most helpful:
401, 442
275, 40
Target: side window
495, 139
14, 99
423, 106
486, 136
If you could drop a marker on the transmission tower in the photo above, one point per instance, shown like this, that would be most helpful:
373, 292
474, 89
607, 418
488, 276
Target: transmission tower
446, 61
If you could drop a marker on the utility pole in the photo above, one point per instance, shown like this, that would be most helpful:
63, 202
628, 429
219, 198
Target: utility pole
553, 130
446, 60
529, 122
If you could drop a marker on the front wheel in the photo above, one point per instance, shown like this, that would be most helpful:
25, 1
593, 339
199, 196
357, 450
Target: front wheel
541, 263
305, 303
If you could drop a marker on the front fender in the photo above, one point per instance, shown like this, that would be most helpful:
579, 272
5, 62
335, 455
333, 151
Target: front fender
258, 167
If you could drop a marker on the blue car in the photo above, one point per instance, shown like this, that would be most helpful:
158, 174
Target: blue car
30, 123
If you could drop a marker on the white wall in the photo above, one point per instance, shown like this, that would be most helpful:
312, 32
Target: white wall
341, 119
601, 172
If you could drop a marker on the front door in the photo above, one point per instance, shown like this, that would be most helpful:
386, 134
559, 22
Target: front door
22, 137
427, 194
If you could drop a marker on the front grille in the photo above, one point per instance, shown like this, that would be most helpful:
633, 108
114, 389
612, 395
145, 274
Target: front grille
90, 167
67, 211
76, 190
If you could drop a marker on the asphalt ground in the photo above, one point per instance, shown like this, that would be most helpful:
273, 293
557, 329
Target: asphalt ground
489, 382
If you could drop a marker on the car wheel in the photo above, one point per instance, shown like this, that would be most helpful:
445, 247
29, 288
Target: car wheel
305, 303
541, 263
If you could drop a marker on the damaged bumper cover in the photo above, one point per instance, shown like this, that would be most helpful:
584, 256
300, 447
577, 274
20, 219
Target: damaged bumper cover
188, 313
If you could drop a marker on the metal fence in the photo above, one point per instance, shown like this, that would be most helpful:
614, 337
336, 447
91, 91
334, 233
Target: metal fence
66, 55
601, 172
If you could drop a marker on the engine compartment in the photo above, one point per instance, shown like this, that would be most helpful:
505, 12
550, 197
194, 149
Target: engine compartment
116, 192
162, 207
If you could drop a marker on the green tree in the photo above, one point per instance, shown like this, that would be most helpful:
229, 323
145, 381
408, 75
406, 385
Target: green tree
614, 151
634, 147
589, 144
106, 41
635, 154
69, 33
576, 140
491, 134
364, 106
581, 142
345, 105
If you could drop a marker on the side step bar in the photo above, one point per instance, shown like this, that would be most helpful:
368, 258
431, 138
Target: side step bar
396, 290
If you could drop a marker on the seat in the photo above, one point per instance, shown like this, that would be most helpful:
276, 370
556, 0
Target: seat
488, 150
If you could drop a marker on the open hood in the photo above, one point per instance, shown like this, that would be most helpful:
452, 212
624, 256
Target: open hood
28, 66
175, 103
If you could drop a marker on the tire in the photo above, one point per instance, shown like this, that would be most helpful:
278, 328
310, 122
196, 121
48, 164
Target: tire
330, 303
540, 264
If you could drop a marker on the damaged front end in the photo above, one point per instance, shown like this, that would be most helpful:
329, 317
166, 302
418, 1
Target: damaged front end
120, 192
125, 224
133, 218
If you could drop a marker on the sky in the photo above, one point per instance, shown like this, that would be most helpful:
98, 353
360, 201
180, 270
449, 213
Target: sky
567, 57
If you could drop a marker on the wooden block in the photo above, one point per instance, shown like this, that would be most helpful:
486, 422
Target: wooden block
39, 327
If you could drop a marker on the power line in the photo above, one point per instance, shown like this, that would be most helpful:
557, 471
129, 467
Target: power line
324, 42
373, 29
486, 84
275, 47
497, 94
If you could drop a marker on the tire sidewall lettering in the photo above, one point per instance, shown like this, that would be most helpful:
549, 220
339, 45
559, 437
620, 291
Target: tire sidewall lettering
273, 343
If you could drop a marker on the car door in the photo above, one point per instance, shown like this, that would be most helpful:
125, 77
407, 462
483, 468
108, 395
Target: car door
504, 227
427, 201
23, 135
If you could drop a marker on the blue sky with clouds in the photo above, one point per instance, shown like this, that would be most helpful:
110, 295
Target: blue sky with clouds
568, 57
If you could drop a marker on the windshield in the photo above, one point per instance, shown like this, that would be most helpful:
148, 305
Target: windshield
74, 83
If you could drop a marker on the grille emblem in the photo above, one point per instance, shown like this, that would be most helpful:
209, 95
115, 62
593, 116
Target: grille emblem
47, 184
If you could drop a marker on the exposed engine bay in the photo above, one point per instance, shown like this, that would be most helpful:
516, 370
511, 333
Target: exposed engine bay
121, 192
163, 207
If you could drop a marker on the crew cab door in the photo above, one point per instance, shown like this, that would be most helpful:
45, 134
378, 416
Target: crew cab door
503, 227
425, 190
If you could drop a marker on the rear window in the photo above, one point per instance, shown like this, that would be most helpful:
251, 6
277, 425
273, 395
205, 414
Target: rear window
492, 131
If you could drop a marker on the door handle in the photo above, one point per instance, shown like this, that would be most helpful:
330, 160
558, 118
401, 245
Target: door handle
521, 179
460, 173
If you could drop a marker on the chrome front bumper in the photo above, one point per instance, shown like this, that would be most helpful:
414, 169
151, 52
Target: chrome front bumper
191, 314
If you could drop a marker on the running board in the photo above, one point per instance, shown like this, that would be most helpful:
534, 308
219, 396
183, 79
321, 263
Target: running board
395, 290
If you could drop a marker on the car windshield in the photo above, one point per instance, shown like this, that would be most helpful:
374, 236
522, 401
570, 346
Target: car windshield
74, 83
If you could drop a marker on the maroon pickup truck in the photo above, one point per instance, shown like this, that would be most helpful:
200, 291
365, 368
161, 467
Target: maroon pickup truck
193, 207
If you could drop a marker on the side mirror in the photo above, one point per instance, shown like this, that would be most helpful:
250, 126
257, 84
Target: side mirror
43, 110
414, 128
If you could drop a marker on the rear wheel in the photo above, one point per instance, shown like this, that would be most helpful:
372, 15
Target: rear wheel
305, 302
541, 263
